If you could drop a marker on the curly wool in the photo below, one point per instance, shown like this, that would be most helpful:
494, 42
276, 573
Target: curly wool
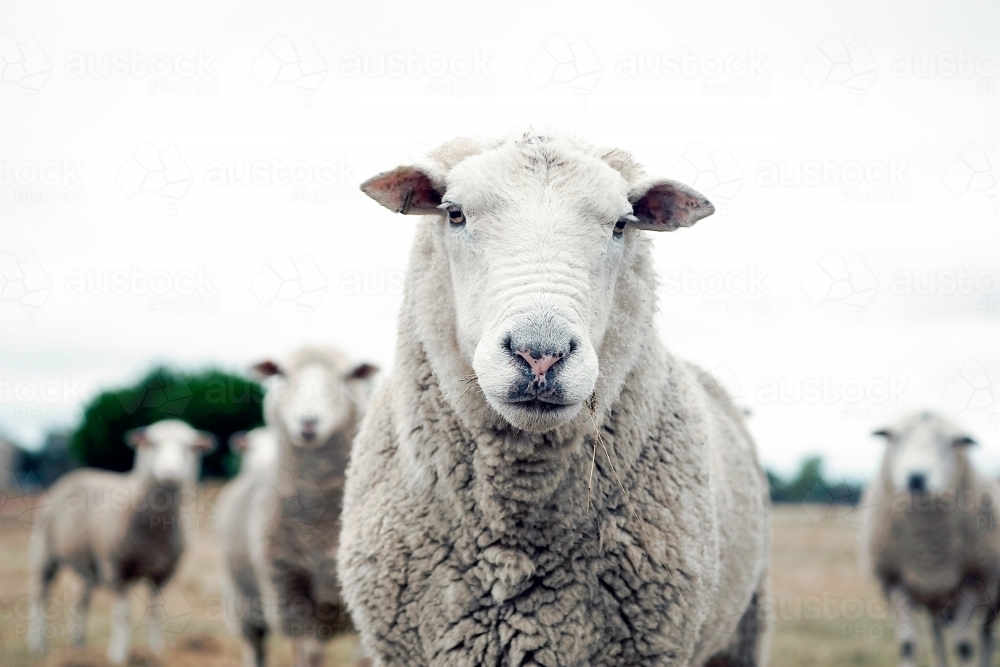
466, 542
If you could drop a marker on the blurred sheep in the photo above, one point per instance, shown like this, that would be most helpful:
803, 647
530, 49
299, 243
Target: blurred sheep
115, 529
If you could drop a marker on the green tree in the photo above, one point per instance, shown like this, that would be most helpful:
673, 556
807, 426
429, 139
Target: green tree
211, 400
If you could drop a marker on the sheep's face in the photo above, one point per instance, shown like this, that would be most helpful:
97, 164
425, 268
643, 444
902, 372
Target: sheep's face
923, 452
258, 448
315, 399
537, 233
170, 451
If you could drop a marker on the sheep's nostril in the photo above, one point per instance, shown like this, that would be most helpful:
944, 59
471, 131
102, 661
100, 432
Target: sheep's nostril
917, 483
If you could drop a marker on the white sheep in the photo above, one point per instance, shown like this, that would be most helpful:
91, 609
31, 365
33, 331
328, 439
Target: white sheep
115, 529
931, 537
539, 482
279, 523
258, 449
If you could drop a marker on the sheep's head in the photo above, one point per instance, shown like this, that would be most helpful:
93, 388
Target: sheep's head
169, 450
258, 448
923, 453
536, 231
313, 395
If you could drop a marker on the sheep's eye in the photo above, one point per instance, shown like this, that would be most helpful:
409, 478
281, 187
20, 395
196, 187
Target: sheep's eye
456, 216
622, 222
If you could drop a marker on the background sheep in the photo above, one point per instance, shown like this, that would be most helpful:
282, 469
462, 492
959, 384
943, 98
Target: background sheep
279, 524
114, 529
540, 482
932, 538
243, 612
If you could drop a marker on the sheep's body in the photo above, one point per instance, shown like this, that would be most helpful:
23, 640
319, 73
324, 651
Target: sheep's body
929, 550
116, 529
937, 550
280, 524
468, 542
244, 607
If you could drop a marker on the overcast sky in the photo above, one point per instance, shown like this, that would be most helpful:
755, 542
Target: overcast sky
179, 184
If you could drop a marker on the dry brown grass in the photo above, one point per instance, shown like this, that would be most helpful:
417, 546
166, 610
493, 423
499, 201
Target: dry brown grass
823, 611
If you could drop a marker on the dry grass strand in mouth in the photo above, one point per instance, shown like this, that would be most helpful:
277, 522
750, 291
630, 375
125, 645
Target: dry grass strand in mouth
472, 380
592, 410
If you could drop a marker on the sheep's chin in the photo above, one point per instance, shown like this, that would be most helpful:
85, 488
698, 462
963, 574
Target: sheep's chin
533, 420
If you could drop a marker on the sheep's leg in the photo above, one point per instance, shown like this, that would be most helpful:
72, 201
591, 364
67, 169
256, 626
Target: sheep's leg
254, 645
42, 583
154, 620
120, 622
308, 652
986, 645
906, 628
964, 624
78, 631
937, 628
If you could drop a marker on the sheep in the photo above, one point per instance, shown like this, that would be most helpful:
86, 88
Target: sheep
538, 481
279, 523
244, 615
931, 537
115, 529
258, 449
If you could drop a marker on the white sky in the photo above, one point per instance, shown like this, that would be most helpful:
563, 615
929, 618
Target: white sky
880, 125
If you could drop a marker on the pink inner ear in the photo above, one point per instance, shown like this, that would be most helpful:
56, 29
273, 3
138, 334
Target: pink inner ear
667, 207
403, 190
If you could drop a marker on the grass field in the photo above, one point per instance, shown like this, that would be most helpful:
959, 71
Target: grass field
823, 611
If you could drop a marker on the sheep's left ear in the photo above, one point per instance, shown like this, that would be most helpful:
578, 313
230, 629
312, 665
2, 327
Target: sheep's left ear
205, 442
363, 372
137, 437
663, 205
963, 441
406, 190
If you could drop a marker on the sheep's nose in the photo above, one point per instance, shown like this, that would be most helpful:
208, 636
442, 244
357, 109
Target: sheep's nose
540, 358
309, 427
917, 483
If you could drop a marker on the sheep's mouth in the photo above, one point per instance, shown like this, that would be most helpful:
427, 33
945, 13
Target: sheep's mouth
538, 405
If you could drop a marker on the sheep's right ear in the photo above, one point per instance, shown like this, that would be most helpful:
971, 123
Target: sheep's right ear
663, 205
238, 442
404, 190
363, 371
266, 369
883, 433
136, 437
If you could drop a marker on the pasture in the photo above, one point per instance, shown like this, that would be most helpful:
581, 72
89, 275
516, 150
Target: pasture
825, 613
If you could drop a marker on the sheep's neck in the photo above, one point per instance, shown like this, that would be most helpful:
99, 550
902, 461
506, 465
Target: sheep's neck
316, 477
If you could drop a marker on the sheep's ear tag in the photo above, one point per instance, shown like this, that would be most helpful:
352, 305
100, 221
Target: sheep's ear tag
405, 190
363, 372
238, 442
963, 441
136, 437
669, 205
266, 369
